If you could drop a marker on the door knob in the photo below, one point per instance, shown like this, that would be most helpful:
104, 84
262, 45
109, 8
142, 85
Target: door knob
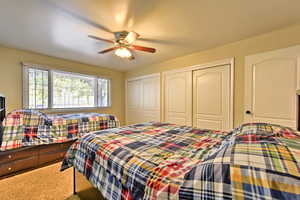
248, 112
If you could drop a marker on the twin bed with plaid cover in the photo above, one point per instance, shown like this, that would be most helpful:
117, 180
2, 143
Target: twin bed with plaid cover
29, 127
166, 161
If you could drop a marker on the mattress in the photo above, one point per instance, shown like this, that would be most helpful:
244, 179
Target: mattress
166, 161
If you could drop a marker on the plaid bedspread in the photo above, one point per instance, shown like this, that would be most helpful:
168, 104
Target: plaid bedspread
30, 127
165, 161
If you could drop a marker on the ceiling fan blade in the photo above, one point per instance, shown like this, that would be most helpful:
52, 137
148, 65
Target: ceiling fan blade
76, 16
146, 49
101, 39
108, 50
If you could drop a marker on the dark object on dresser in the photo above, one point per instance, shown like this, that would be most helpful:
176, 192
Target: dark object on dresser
2, 115
16, 161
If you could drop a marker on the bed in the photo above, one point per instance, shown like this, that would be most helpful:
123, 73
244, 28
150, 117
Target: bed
166, 161
31, 139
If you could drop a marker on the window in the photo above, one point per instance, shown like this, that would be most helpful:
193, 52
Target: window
46, 89
73, 91
37, 88
103, 89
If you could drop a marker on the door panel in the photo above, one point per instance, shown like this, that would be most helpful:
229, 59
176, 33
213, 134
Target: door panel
209, 90
271, 84
211, 98
280, 77
213, 124
143, 100
151, 87
134, 101
134, 94
151, 99
178, 98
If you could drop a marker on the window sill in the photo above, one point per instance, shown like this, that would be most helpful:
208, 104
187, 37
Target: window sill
58, 110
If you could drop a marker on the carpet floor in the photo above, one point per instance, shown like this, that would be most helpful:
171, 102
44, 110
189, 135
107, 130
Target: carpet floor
46, 183
73, 197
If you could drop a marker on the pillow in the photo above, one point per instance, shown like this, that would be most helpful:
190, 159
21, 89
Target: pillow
265, 129
21, 126
30, 117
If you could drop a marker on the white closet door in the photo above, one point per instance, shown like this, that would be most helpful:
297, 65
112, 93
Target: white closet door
143, 99
211, 98
151, 99
178, 98
134, 101
272, 79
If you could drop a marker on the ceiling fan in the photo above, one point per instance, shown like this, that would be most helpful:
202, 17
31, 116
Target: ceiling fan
123, 44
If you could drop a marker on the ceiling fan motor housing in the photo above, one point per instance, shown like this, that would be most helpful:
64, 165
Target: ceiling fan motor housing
120, 36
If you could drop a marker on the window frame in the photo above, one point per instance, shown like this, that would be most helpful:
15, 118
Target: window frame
50, 71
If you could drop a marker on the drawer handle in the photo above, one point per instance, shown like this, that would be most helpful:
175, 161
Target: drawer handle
9, 156
9, 169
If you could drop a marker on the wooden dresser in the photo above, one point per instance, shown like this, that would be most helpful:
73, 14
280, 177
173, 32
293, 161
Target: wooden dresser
27, 158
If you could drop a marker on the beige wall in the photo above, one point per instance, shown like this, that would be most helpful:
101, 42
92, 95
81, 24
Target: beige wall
11, 77
11, 71
266, 42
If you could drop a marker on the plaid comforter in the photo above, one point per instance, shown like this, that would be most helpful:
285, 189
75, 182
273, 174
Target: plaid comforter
165, 161
30, 128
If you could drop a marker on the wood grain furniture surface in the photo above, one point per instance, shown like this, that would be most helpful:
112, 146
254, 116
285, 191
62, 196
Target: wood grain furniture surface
17, 161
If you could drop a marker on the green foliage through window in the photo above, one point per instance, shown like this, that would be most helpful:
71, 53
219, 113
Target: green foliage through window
65, 90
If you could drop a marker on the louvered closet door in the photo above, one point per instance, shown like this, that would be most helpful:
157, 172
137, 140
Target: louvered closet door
178, 98
151, 99
134, 101
272, 79
211, 98
143, 99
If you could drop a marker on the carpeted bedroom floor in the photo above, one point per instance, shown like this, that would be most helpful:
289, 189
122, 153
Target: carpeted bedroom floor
74, 197
46, 183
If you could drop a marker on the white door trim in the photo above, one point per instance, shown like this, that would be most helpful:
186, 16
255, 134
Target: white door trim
228, 61
143, 77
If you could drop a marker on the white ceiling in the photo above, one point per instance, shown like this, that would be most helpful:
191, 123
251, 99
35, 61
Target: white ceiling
174, 27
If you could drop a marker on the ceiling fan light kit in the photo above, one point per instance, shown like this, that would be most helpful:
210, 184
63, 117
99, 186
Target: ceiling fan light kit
123, 52
123, 44
131, 37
